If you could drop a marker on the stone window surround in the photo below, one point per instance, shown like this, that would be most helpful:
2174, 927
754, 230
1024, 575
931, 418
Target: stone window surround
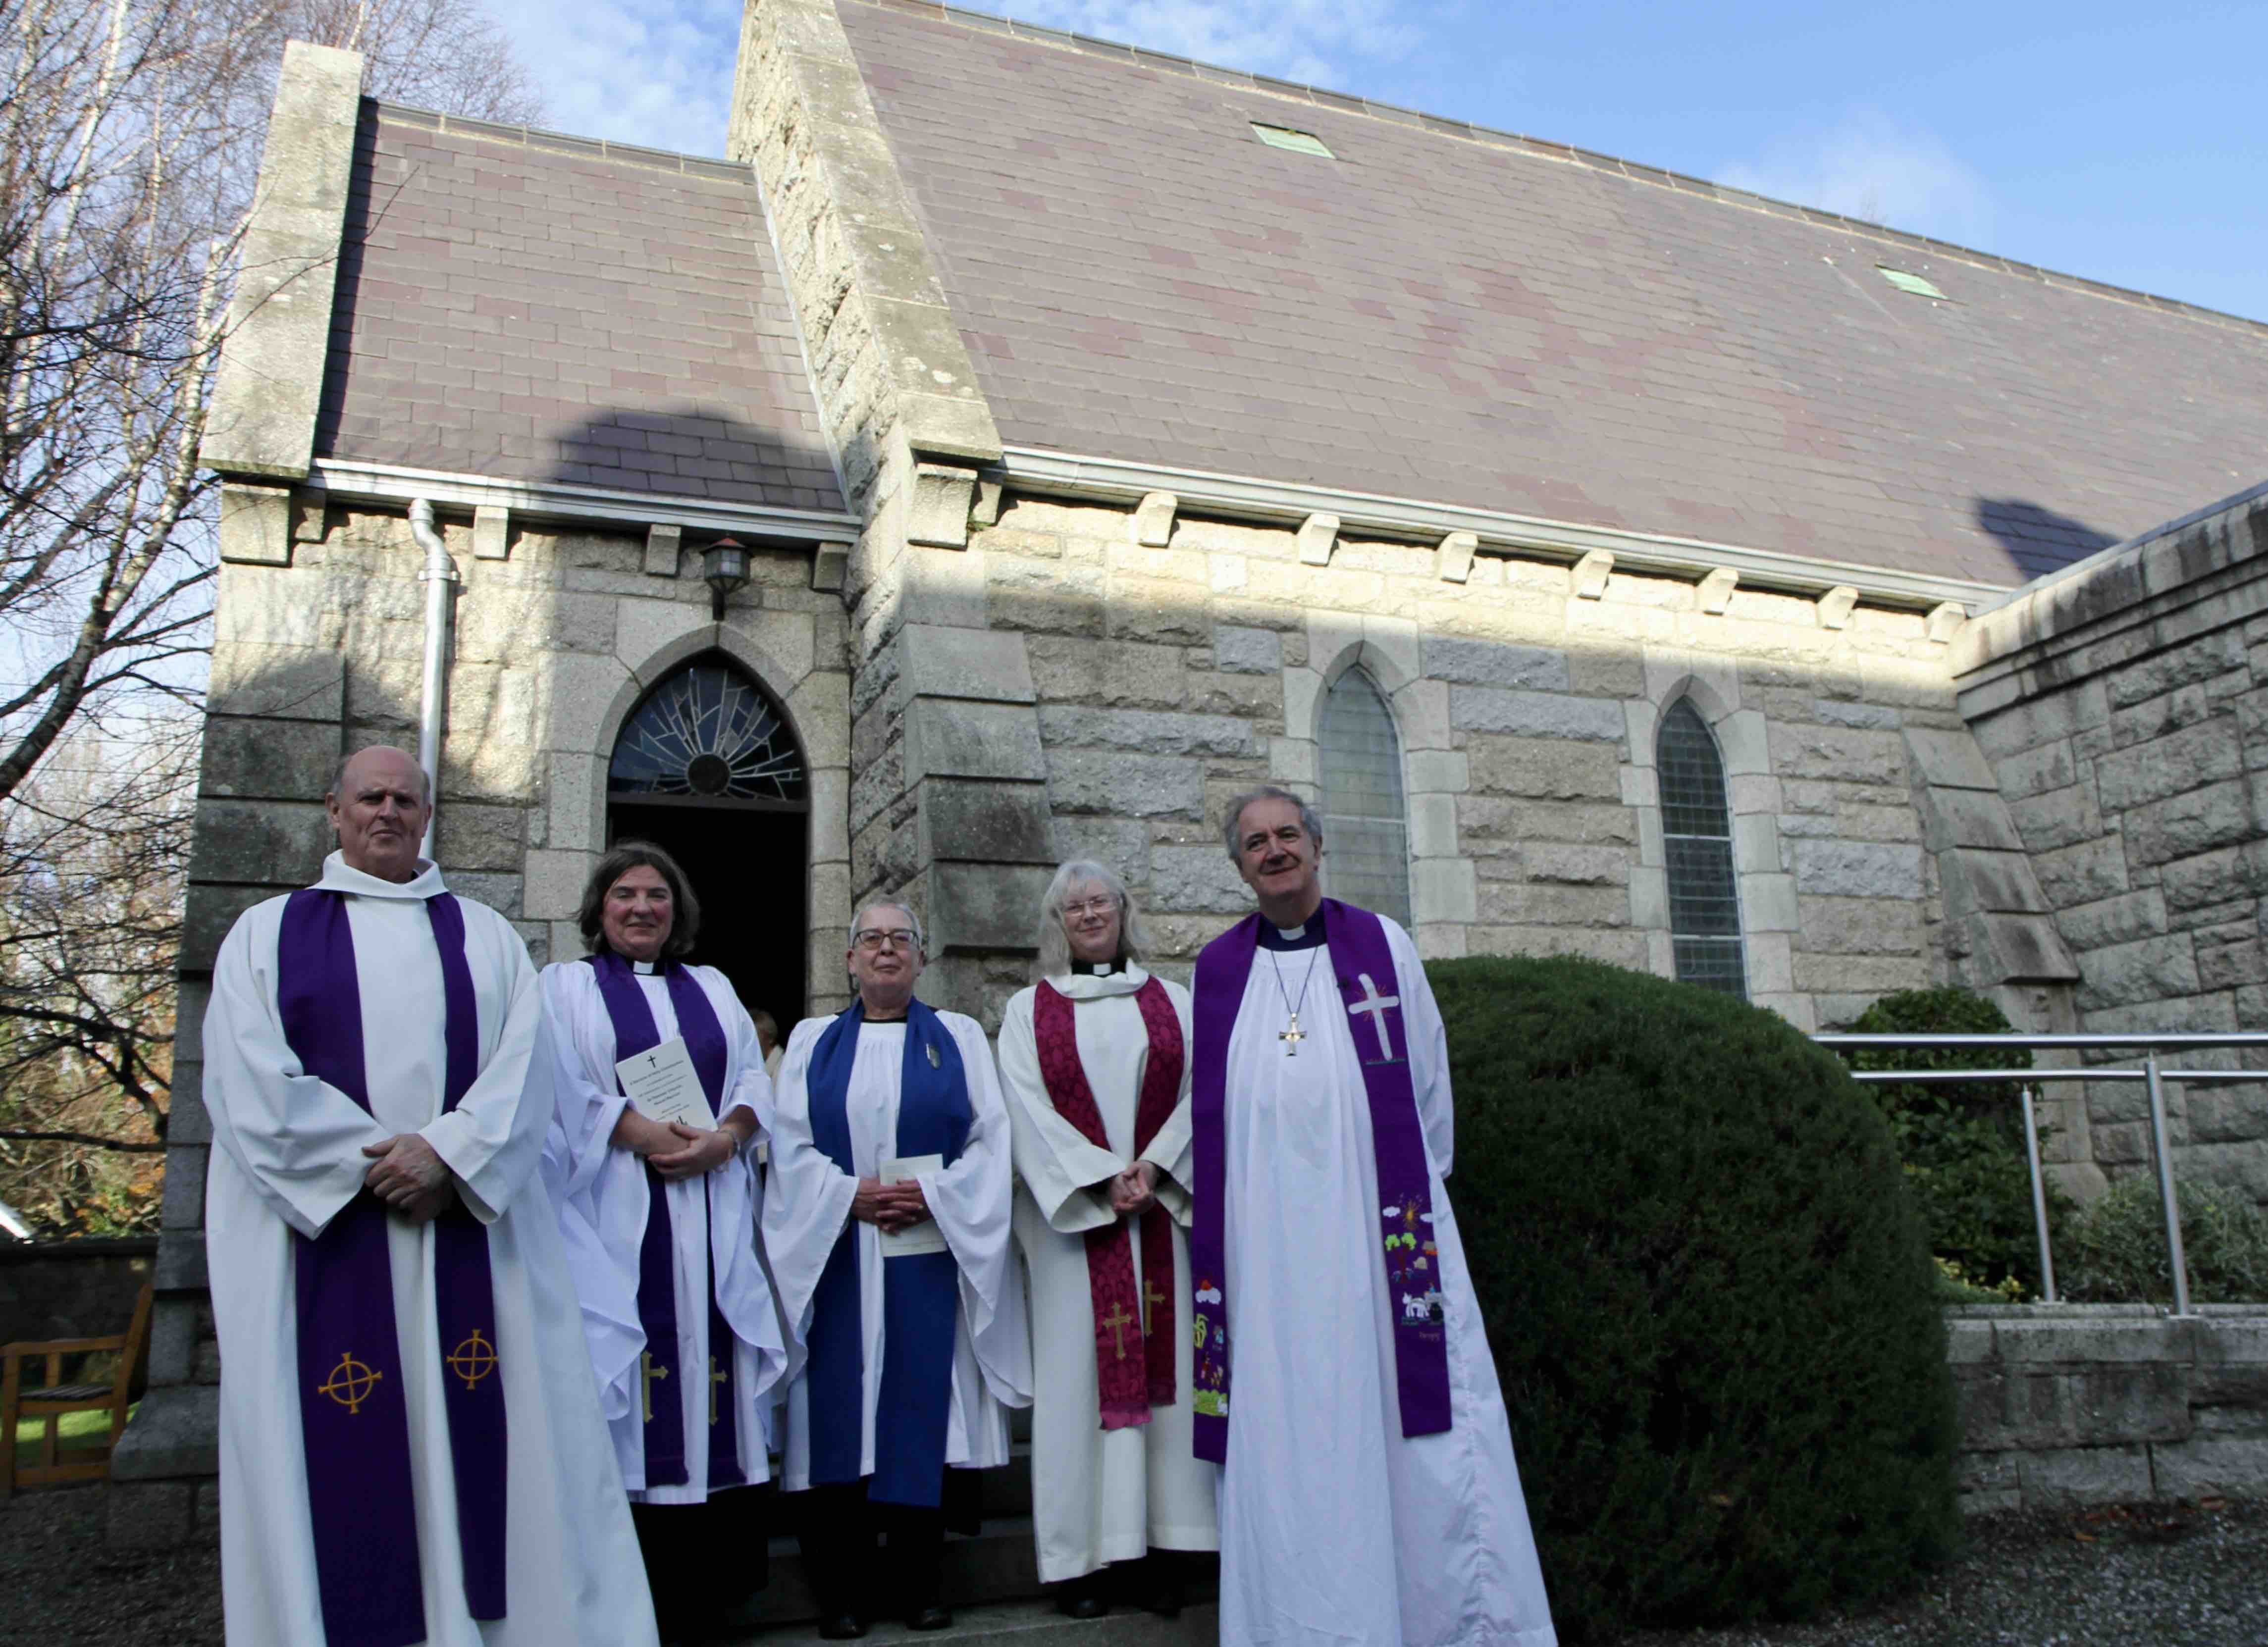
1443, 885
1768, 919
577, 805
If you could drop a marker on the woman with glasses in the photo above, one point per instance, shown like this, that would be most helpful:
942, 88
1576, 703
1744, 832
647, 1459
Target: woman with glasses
1095, 1062
887, 1224
657, 1202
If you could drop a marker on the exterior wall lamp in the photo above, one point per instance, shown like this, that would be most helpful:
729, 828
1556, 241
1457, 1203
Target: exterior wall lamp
724, 568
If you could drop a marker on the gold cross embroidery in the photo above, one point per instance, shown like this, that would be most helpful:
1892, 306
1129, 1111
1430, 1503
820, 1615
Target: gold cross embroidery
647, 1374
715, 1379
1150, 1296
1118, 1320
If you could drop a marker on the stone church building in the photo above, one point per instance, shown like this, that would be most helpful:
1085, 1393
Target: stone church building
1022, 443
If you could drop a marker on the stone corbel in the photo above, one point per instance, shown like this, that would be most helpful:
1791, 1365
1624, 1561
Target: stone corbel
1591, 573
1453, 561
985, 511
1944, 622
1835, 606
830, 567
1153, 519
661, 546
310, 515
938, 512
255, 524
491, 532
1319, 535
1715, 594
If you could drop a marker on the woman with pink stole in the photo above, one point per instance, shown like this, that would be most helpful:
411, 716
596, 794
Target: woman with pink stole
1094, 1065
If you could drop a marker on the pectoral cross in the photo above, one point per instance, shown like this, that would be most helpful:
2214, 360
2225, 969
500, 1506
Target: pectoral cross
1151, 1297
647, 1374
1292, 1038
1118, 1321
715, 1379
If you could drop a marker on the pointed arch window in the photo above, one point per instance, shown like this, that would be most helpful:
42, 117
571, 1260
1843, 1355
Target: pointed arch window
1704, 899
708, 734
1365, 827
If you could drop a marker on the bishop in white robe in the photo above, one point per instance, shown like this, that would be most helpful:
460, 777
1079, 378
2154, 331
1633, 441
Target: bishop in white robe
411, 1443
1369, 1491
659, 1222
1094, 1065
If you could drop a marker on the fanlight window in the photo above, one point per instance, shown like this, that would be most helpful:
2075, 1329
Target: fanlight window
1704, 901
708, 732
1365, 830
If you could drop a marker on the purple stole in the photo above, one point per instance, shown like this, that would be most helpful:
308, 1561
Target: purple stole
635, 1031
1360, 958
354, 1421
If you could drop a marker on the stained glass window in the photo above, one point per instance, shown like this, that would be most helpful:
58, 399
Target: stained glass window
708, 732
1365, 830
1704, 899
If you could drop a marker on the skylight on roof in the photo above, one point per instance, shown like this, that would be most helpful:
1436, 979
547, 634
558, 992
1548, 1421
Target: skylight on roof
1297, 142
1913, 283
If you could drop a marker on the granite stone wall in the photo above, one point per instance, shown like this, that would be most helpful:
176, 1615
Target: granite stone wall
2125, 710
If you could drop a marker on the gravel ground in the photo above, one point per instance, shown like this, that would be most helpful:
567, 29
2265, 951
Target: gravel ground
2152, 1576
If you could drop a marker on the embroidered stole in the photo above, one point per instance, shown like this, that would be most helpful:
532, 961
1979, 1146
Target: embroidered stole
921, 1292
1129, 1386
354, 1419
1360, 957
661, 1364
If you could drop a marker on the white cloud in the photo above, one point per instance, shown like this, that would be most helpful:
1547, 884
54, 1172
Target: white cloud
1871, 168
658, 74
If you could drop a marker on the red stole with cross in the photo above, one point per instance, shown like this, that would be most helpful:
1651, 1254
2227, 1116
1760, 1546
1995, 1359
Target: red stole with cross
1128, 1384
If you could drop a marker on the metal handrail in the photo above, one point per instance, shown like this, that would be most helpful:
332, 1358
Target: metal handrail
2151, 1071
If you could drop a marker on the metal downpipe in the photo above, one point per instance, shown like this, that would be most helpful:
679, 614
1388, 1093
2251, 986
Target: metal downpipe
440, 577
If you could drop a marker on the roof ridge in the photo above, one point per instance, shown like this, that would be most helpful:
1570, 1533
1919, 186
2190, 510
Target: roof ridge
567, 143
1542, 148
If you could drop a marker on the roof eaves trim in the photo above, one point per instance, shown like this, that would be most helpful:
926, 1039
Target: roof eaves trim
1545, 149
345, 480
1063, 473
564, 142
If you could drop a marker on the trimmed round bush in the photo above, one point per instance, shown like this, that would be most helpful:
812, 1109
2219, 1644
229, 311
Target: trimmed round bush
1709, 1296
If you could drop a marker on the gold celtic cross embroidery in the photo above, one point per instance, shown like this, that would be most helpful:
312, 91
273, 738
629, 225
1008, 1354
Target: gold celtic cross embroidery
351, 1383
473, 1359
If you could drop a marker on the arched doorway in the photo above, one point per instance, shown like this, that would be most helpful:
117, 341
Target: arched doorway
707, 767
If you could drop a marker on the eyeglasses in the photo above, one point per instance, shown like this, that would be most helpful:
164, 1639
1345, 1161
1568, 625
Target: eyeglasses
1093, 906
873, 938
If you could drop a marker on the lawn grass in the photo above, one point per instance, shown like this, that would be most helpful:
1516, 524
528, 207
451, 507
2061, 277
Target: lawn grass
73, 1431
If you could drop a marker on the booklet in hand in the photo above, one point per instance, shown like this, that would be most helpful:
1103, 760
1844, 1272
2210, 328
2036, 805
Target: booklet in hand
662, 1082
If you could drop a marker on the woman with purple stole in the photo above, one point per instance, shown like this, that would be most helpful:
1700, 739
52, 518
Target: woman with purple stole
887, 1223
659, 1219
1369, 1491
1095, 1064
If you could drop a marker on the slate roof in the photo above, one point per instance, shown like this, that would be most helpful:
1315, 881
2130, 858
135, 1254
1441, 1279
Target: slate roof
1475, 318
525, 306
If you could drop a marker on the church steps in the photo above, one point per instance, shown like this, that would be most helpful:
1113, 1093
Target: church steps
1029, 1624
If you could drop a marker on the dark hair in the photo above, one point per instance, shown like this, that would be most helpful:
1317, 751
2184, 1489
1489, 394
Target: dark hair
620, 860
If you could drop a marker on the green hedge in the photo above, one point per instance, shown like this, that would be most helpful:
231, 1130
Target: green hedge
2115, 1251
1709, 1297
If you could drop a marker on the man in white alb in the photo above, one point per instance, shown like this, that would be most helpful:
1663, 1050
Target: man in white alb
1095, 1062
412, 1448
887, 1221
1367, 1488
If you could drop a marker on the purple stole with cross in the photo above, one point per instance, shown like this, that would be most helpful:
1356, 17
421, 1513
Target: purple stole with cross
664, 1433
1360, 960
354, 1421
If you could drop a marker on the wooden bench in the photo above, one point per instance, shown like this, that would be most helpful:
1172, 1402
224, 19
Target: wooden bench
51, 1398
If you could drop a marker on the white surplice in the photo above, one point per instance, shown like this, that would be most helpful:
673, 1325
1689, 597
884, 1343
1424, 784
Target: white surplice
288, 1157
603, 1203
808, 1203
1335, 1529
1100, 1495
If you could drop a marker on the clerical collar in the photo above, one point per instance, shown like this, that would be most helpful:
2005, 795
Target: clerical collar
646, 968
1307, 937
1098, 968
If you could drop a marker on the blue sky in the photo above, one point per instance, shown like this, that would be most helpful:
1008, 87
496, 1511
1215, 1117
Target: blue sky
2119, 143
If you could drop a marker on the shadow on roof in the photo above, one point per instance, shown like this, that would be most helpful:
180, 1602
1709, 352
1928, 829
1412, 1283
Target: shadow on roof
2038, 539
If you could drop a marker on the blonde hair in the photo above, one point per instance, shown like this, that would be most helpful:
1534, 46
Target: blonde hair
1055, 943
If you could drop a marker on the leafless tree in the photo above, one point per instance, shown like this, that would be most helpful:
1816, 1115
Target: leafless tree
129, 137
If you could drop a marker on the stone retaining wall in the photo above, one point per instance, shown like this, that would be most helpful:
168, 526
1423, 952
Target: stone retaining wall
2108, 1403
51, 1290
